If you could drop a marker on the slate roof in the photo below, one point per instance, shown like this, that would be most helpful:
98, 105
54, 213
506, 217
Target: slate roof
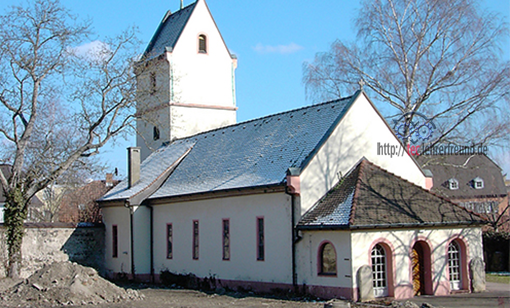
464, 168
169, 31
370, 196
150, 170
255, 153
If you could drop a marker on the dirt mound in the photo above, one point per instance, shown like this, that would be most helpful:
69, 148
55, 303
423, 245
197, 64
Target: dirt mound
66, 283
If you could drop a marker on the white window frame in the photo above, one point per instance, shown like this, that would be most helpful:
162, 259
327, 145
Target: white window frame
453, 184
477, 183
454, 265
379, 271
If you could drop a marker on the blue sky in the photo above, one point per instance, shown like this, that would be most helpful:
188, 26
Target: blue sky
271, 39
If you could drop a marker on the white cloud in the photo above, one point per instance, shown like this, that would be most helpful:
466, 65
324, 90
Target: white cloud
281, 49
93, 51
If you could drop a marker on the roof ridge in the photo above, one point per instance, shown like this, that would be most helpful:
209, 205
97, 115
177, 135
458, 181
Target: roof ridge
423, 189
265, 117
361, 166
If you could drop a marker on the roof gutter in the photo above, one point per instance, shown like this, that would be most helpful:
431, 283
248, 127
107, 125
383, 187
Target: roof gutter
231, 192
390, 226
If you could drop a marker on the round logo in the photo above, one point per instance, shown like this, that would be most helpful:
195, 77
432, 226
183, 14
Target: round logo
420, 130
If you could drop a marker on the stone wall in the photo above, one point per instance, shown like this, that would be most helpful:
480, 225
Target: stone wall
48, 243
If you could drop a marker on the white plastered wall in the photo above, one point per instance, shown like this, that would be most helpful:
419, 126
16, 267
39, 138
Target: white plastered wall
201, 119
117, 216
203, 78
120, 216
141, 235
242, 213
401, 242
308, 257
357, 135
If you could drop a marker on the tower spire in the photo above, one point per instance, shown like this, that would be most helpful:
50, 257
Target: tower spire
181, 5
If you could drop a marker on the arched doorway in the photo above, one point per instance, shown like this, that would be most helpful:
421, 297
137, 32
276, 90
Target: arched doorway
421, 269
457, 265
379, 271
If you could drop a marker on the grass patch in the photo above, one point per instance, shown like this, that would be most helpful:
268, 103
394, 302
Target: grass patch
497, 278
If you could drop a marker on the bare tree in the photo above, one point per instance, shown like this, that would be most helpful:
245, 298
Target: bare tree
439, 58
60, 101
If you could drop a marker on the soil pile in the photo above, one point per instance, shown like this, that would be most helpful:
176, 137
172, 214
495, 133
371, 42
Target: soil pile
66, 283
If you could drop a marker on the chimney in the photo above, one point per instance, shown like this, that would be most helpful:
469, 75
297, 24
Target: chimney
109, 180
429, 179
133, 165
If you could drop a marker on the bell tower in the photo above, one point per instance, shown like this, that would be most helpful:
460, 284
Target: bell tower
185, 80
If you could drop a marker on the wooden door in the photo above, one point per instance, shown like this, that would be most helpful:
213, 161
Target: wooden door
418, 270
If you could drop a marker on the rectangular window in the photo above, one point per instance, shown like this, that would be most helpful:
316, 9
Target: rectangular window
153, 83
169, 241
195, 239
226, 239
115, 242
260, 238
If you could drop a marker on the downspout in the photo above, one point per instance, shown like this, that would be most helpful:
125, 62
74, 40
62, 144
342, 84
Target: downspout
133, 177
294, 271
131, 211
293, 190
151, 209
131, 246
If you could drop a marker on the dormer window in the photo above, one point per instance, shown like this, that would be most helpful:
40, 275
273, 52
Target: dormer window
202, 43
453, 184
155, 133
478, 183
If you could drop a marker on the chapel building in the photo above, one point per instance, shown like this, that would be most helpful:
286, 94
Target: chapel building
300, 200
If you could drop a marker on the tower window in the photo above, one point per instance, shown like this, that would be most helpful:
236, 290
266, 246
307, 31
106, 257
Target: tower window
202, 43
153, 83
155, 133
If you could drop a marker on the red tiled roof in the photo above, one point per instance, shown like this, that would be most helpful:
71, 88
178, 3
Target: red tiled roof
370, 196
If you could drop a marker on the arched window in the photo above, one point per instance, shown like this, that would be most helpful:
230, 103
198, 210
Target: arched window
454, 265
379, 271
327, 260
202, 43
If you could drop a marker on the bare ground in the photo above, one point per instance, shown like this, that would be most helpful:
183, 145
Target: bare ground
179, 298
164, 298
